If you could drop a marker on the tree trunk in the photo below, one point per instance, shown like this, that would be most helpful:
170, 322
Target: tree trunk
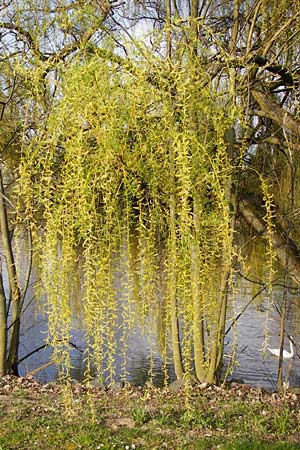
178, 367
198, 318
273, 111
286, 250
282, 329
218, 334
222, 320
3, 328
168, 29
226, 262
235, 29
198, 324
175, 335
12, 361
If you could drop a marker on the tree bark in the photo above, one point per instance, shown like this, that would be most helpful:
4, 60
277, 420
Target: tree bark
3, 328
273, 111
235, 28
12, 361
286, 250
198, 321
168, 29
175, 335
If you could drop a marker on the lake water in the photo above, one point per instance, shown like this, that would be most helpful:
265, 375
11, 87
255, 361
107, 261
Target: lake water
252, 366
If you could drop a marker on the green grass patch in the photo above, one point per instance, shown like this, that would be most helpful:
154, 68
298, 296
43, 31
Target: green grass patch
260, 445
154, 419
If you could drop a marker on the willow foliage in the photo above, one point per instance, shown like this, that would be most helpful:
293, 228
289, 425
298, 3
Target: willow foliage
128, 180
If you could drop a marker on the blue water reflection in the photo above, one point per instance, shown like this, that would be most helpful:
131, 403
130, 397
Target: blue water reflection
252, 366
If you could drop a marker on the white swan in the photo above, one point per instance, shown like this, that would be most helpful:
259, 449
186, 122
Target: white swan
285, 353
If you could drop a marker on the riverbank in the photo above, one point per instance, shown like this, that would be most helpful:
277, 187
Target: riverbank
33, 416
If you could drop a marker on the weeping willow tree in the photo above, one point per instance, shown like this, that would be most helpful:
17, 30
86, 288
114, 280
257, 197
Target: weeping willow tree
120, 172
146, 164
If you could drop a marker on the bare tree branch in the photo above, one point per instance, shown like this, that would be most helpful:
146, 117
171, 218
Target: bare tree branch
273, 111
285, 248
